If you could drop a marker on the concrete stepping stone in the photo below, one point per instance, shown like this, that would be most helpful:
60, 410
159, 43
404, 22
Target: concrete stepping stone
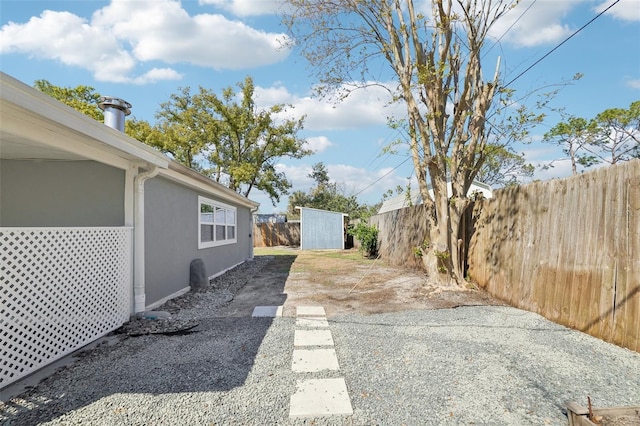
317, 322
320, 397
314, 360
312, 338
310, 311
267, 311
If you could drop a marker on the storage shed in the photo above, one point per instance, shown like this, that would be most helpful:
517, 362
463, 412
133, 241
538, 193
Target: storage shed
321, 229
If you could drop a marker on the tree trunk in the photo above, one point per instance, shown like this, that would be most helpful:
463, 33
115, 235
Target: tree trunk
443, 257
437, 252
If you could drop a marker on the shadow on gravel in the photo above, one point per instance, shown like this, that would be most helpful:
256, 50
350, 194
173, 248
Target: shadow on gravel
216, 356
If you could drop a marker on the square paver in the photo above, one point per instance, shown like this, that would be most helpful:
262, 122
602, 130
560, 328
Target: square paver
314, 322
320, 397
310, 311
314, 360
267, 311
312, 338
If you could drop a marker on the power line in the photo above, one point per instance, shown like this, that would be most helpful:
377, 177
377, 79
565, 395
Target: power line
517, 77
563, 42
509, 29
381, 177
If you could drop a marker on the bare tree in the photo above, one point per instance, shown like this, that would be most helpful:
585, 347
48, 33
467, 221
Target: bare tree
436, 57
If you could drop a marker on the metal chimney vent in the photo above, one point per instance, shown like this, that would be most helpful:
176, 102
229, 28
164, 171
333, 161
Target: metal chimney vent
115, 110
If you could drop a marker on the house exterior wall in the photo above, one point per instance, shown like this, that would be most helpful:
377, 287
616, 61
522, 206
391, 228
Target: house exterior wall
320, 229
171, 238
60, 193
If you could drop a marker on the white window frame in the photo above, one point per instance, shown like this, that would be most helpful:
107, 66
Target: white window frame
230, 220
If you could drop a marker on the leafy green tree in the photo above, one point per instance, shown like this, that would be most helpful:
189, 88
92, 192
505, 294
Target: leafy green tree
298, 199
248, 141
618, 134
140, 130
573, 135
81, 98
503, 167
85, 100
230, 139
436, 60
184, 129
320, 174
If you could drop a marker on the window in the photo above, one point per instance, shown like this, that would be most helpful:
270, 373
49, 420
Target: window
217, 223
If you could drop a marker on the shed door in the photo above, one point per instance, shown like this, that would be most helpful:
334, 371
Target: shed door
321, 230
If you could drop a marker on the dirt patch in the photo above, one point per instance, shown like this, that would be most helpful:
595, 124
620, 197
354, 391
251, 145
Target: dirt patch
344, 281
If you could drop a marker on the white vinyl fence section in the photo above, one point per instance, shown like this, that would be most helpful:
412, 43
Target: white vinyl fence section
60, 289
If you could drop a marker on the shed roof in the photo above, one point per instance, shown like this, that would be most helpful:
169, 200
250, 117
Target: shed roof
402, 201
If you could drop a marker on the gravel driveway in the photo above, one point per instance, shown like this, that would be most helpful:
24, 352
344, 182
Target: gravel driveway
489, 365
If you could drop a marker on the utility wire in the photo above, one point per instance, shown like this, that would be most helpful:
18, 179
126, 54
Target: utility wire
563, 42
510, 28
517, 77
381, 177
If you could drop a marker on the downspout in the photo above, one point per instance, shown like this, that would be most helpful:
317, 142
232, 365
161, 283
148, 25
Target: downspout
139, 299
252, 234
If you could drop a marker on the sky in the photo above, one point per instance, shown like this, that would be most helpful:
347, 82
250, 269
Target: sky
144, 51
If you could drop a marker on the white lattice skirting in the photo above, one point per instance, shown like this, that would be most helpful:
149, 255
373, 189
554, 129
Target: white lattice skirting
60, 289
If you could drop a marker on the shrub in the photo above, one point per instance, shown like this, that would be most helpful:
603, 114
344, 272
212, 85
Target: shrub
368, 237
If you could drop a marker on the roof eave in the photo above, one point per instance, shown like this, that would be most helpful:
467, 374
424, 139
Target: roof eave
183, 174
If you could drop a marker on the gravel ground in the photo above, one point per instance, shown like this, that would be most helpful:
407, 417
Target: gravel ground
489, 365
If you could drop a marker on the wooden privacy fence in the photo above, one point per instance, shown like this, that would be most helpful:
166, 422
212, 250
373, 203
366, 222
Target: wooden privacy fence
276, 234
567, 249
399, 232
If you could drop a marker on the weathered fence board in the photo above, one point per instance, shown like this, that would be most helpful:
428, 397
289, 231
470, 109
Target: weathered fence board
568, 249
400, 231
276, 234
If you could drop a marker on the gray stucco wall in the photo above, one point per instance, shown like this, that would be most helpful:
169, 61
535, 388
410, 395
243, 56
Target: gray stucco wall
60, 193
171, 238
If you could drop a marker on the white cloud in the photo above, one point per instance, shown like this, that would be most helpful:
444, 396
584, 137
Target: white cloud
634, 84
362, 108
541, 24
126, 33
247, 7
368, 185
162, 30
297, 174
277, 94
69, 39
559, 169
318, 143
158, 74
625, 10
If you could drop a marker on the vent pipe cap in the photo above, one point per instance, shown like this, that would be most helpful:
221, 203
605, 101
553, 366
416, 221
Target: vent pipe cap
115, 110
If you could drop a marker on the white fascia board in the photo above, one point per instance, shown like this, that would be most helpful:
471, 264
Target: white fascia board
185, 176
44, 111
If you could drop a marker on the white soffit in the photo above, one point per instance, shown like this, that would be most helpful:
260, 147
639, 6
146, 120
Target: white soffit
36, 126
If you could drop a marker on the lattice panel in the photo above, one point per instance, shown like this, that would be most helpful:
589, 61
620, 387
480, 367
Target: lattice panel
60, 289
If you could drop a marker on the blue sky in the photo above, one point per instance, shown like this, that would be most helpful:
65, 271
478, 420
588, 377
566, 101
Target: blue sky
143, 51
